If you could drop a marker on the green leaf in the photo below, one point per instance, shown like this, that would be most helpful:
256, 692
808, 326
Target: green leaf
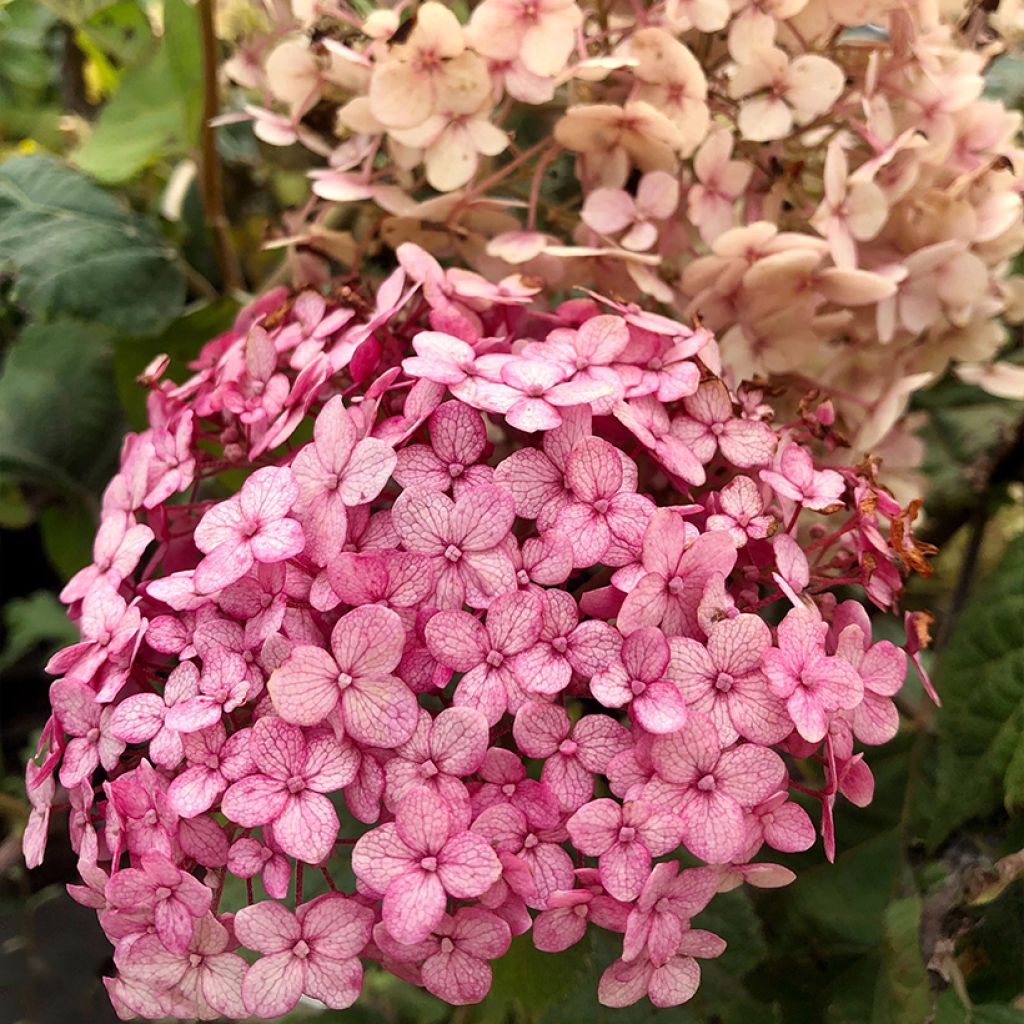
156, 110
31, 622
902, 994
59, 426
532, 981
122, 31
963, 425
75, 12
980, 727
183, 45
1004, 79
846, 901
76, 252
181, 341
68, 531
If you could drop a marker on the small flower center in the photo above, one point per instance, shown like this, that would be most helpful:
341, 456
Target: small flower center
495, 658
344, 680
428, 769
194, 959
662, 906
456, 469
601, 506
530, 842
331, 482
429, 863
627, 834
447, 945
568, 747
523, 577
637, 686
582, 362
767, 819
265, 854
509, 788
655, 364
717, 429
162, 893
675, 585
452, 553
560, 644
300, 949
580, 910
706, 784
265, 600
149, 818
724, 682
93, 736
295, 784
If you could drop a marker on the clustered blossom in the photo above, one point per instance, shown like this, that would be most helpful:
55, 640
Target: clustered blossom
534, 656
822, 182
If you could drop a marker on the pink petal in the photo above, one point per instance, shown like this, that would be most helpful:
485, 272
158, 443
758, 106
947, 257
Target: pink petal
457, 639
305, 688
338, 927
272, 986
380, 712
482, 517
712, 826
467, 866
660, 708
307, 827
336, 983
266, 927
595, 826
458, 740
674, 983
380, 856
624, 868
594, 470
254, 801
413, 905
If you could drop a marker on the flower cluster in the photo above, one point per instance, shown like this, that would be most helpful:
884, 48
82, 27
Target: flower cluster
525, 618
820, 181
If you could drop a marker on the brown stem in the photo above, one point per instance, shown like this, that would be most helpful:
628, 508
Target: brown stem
211, 184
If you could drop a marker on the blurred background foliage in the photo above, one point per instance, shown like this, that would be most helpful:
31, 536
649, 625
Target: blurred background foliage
106, 260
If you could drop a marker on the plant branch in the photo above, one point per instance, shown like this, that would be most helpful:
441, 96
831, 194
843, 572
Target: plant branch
210, 181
